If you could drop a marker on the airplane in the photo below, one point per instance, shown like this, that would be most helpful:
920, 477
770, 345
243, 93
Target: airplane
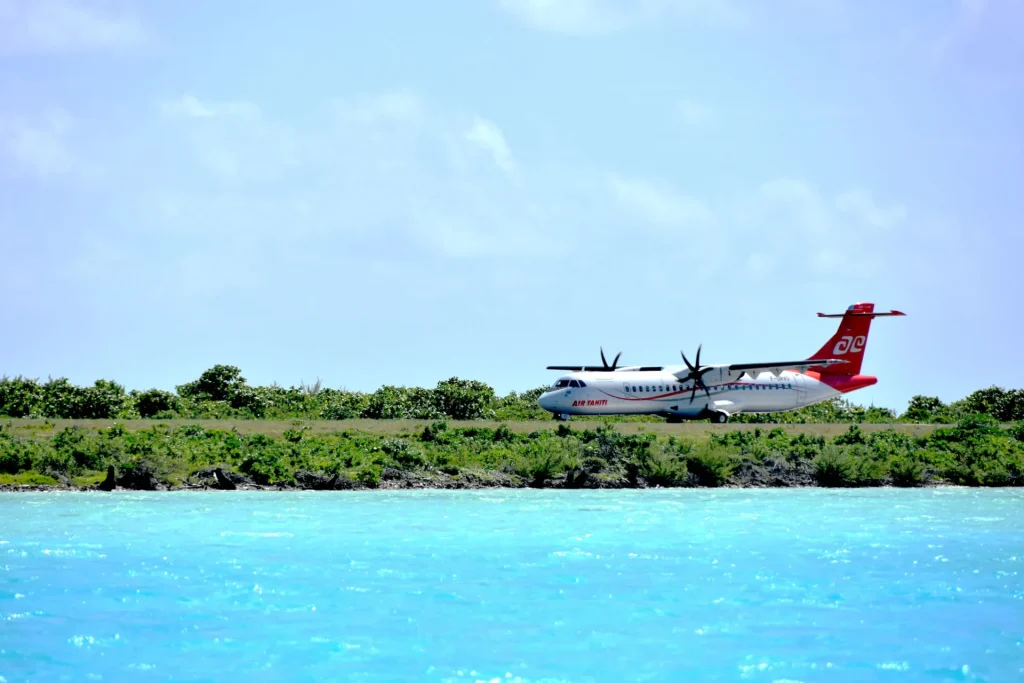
672, 391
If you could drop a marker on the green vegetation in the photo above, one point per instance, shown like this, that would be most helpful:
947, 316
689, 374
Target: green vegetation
222, 393
461, 434
977, 451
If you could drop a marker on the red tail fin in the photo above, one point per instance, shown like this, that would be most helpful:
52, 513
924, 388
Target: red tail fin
850, 340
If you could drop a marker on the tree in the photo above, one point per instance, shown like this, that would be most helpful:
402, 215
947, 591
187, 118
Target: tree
219, 383
464, 399
923, 409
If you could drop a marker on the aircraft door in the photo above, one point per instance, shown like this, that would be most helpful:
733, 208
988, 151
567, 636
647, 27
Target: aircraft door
801, 390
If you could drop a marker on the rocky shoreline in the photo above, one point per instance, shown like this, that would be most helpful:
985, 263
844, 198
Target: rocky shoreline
747, 475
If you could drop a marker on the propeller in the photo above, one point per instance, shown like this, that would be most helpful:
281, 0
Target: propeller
696, 374
614, 362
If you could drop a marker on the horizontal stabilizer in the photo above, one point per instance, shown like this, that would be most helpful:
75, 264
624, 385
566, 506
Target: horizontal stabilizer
860, 314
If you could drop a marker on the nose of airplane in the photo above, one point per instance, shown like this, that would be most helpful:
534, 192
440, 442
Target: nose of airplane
547, 401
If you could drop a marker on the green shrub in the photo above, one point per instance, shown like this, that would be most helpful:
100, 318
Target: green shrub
853, 436
15, 454
709, 464
834, 468
665, 470
905, 472
369, 475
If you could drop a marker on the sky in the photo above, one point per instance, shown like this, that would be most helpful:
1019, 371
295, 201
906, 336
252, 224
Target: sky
391, 192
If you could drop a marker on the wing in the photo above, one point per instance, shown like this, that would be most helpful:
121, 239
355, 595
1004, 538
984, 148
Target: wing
778, 367
601, 368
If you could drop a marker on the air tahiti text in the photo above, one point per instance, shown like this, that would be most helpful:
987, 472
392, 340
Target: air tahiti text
592, 402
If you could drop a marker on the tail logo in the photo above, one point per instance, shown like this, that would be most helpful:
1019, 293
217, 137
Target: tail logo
850, 344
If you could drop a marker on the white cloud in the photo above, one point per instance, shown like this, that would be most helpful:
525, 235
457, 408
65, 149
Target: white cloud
600, 17
797, 202
235, 140
399, 107
393, 177
360, 166
38, 147
187, 106
579, 17
789, 209
694, 113
56, 26
861, 205
658, 202
489, 137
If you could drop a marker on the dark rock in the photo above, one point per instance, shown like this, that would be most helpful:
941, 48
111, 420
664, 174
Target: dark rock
110, 482
576, 479
633, 473
774, 473
60, 477
309, 480
392, 474
320, 482
392, 478
753, 475
138, 479
228, 481
340, 483
610, 481
223, 482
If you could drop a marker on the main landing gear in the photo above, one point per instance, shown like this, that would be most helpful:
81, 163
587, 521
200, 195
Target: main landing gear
719, 417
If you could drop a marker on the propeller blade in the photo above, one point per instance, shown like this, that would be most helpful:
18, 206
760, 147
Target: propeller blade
603, 359
616, 361
698, 354
686, 361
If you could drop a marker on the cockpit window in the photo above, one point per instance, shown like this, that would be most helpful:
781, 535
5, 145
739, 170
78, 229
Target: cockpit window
582, 383
574, 383
561, 384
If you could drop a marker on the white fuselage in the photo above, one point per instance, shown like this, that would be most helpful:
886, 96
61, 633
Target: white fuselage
630, 392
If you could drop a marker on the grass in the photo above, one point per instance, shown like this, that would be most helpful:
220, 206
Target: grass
45, 428
27, 479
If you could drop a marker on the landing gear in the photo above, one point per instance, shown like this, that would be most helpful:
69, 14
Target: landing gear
720, 417
561, 417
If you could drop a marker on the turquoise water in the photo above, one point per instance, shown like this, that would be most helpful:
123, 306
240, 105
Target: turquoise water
759, 585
